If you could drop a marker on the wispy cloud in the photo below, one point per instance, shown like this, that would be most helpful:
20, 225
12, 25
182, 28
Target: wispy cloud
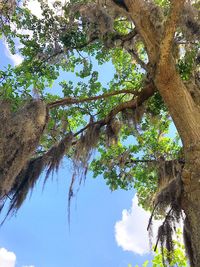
131, 231
16, 59
7, 258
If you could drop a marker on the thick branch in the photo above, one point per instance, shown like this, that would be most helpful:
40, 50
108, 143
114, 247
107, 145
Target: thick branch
70, 100
170, 29
183, 110
144, 95
140, 14
125, 37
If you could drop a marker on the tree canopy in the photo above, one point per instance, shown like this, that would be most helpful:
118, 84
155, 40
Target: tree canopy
124, 128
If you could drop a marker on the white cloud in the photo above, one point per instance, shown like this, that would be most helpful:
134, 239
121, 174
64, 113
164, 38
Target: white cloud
16, 59
7, 258
131, 231
34, 7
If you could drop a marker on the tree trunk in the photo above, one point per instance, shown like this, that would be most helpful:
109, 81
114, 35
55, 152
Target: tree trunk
191, 205
186, 116
182, 108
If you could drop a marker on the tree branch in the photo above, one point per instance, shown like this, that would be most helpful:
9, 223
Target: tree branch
125, 37
137, 59
181, 161
70, 100
183, 110
144, 95
140, 15
128, 37
170, 29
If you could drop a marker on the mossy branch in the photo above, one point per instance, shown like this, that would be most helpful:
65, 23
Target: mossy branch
143, 95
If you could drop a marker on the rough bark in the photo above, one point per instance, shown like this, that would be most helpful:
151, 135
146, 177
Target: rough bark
141, 17
191, 205
184, 111
182, 108
186, 118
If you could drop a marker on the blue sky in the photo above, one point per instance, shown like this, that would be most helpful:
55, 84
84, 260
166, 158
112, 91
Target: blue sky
39, 235
107, 229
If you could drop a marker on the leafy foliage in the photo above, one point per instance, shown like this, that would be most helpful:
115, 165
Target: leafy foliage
110, 106
178, 256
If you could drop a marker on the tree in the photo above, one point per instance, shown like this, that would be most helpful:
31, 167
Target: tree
177, 257
154, 47
178, 260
